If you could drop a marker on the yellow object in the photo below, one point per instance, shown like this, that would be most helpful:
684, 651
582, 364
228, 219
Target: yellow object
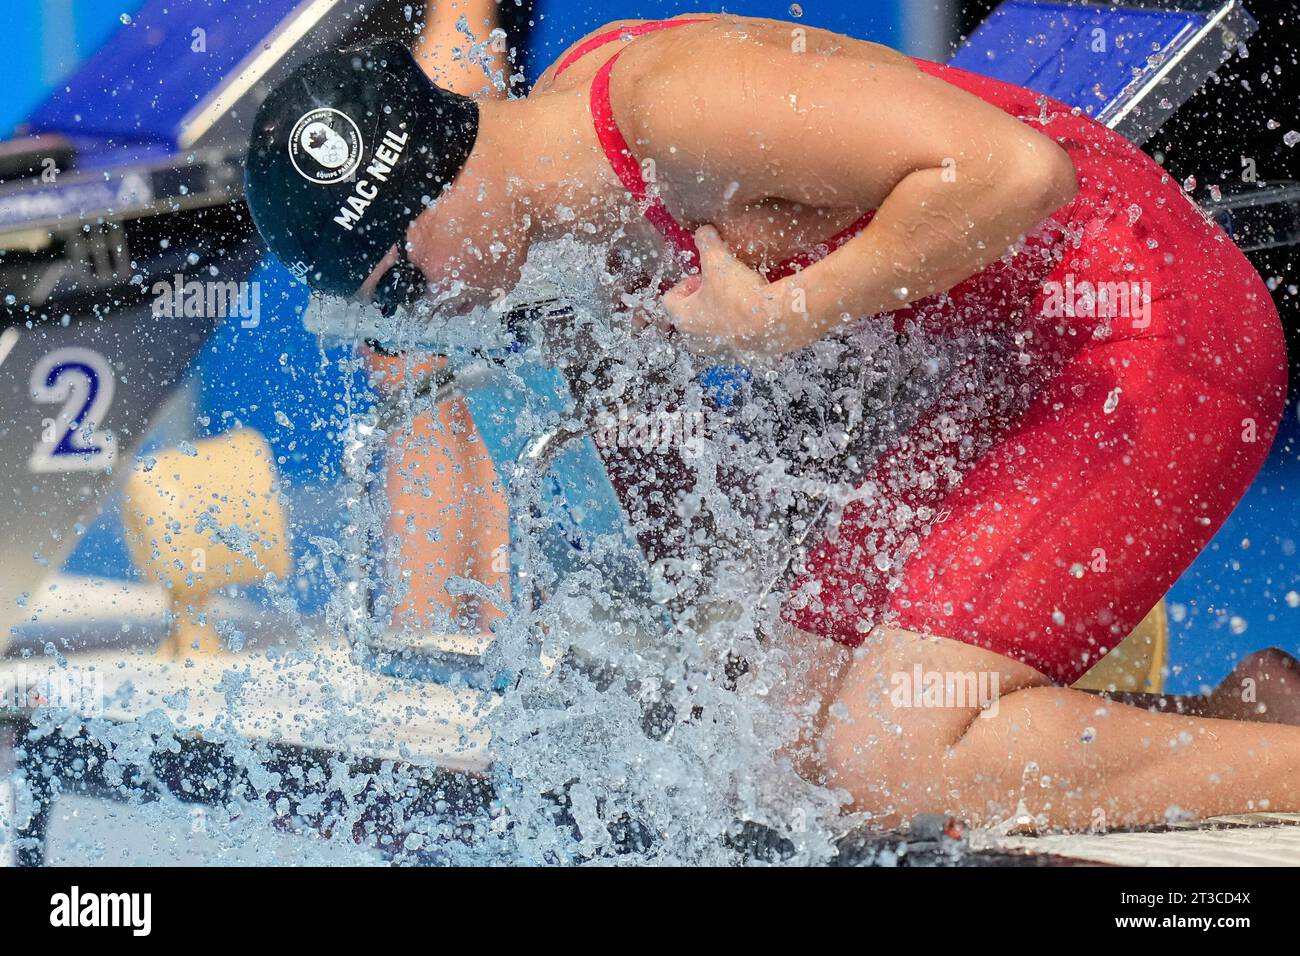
1138, 662
204, 519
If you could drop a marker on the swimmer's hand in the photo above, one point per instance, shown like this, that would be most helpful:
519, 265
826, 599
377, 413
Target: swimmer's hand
727, 309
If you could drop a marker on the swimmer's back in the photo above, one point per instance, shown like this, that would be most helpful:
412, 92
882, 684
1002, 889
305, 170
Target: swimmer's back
674, 52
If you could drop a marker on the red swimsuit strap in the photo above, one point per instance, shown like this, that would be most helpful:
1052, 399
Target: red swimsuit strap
609, 36
628, 169
617, 150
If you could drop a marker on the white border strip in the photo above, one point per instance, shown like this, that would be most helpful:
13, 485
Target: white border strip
253, 67
1132, 101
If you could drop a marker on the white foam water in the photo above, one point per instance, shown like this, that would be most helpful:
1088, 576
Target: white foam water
628, 734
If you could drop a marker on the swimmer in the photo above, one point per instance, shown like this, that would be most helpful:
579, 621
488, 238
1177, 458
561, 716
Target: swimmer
1034, 512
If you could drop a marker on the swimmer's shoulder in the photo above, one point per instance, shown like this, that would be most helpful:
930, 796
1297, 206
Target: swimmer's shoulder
674, 63
705, 37
586, 67
790, 37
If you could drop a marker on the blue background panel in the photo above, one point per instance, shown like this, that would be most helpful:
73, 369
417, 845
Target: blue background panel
147, 76
558, 25
49, 38
1243, 592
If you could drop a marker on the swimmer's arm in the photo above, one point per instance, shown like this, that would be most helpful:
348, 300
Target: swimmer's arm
954, 180
928, 234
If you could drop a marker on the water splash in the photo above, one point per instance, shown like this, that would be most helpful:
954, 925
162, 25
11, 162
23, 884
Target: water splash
625, 734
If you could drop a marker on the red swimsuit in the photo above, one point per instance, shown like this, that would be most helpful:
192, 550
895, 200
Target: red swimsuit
1041, 507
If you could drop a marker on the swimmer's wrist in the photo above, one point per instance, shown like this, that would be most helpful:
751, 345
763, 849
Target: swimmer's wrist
776, 326
795, 318
825, 297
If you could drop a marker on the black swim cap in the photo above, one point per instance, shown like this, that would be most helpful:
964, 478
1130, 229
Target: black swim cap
345, 154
